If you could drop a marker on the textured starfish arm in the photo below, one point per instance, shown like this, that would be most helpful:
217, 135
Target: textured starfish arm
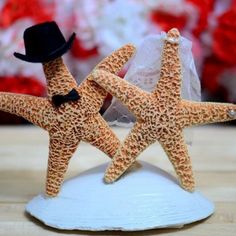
134, 98
177, 153
100, 135
59, 78
197, 113
60, 153
136, 142
113, 64
169, 84
29, 107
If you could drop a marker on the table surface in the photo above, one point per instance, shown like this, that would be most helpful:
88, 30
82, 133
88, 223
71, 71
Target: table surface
23, 155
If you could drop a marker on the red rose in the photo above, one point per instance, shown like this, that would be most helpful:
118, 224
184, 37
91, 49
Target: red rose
167, 20
17, 9
224, 37
204, 8
80, 52
21, 84
211, 72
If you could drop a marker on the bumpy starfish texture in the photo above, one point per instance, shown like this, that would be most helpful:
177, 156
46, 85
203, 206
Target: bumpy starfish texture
161, 115
73, 121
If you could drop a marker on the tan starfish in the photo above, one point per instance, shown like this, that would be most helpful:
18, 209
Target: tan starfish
161, 115
72, 121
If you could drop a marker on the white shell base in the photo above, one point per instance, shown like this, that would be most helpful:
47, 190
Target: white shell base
145, 198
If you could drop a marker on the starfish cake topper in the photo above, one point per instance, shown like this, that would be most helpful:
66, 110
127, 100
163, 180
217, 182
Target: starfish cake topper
161, 115
70, 112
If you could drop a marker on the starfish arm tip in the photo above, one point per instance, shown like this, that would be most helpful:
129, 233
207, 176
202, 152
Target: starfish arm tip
189, 188
108, 180
93, 74
50, 195
173, 36
97, 73
131, 47
173, 33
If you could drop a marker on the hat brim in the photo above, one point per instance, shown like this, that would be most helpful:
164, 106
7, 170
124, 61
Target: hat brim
46, 58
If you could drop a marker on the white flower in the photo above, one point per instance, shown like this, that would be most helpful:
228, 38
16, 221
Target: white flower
85, 15
11, 40
2, 3
121, 22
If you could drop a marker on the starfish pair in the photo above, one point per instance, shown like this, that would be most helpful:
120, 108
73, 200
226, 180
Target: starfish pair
72, 121
161, 115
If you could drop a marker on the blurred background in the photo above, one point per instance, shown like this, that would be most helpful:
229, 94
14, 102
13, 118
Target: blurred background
103, 26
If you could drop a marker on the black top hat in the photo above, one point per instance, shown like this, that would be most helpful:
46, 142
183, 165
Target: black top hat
44, 42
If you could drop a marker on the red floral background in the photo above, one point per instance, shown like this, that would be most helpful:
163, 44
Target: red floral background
101, 28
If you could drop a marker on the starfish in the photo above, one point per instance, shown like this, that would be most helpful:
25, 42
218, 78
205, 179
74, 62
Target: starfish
72, 121
161, 115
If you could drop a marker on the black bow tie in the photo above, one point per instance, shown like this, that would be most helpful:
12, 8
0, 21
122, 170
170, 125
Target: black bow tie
60, 99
